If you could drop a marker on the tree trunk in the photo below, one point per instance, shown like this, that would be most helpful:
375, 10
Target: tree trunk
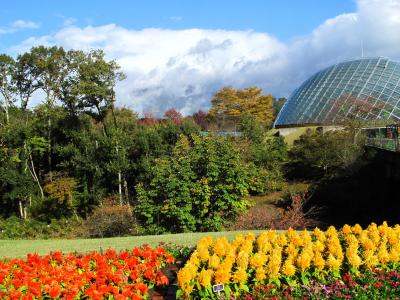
21, 213
119, 179
49, 149
35, 177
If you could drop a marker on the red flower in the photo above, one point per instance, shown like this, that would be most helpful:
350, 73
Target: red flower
54, 291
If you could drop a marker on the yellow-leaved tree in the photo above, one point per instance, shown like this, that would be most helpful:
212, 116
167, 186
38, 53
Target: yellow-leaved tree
229, 104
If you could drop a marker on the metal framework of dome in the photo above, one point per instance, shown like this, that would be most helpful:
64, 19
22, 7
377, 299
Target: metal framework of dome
367, 88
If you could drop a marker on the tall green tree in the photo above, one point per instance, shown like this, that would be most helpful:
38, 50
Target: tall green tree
199, 187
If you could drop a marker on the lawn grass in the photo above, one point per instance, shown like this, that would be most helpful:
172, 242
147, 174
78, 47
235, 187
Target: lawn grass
20, 248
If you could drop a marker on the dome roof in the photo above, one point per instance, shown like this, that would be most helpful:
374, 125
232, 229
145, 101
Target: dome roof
367, 88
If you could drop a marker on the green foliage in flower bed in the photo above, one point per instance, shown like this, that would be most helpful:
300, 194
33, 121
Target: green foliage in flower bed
375, 284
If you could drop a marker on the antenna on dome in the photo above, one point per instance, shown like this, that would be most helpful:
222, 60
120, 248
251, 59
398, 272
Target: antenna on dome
362, 49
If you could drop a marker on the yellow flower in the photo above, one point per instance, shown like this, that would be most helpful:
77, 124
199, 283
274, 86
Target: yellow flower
184, 279
220, 246
394, 253
370, 259
213, 261
274, 263
318, 261
291, 250
383, 228
204, 255
260, 274
383, 254
333, 263
222, 276
282, 240
240, 276
242, 259
304, 260
258, 260
288, 268
205, 278
239, 240
318, 246
346, 229
320, 235
194, 259
205, 242
356, 229
352, 256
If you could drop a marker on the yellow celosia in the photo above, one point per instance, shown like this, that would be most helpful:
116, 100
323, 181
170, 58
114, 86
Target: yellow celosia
205, 242
318, 261
222, 275
333, 263
356, 229
346, 229
240, 275
352, 256
242, 259
383, 254
194, 258
260, 274
205, 278
258, 260
288, 269
185, 276
320, 235
220, 246
204, 255
282, 240
383, 229
263, 243
370, 259
274, 263
272, 255
304, 259
318, 246
213, 261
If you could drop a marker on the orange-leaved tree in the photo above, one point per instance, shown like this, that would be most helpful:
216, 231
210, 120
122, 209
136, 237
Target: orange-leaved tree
229, 104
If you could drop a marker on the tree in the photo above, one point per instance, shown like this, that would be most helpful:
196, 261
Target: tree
228, 104
7, 86
318, 154
200, 118
173, 115
199, 187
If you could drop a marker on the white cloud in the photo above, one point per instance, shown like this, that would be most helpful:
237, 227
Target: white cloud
183, 68
18, 25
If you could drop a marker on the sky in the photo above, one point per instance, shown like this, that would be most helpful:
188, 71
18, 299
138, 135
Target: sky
179, 53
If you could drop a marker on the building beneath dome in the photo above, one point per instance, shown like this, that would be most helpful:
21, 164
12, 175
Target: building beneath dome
366, 89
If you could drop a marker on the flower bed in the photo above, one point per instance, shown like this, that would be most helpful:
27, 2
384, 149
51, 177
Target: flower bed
108, 275
292, 264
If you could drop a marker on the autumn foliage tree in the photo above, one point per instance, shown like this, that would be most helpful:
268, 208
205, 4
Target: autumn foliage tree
173, 115
229, 104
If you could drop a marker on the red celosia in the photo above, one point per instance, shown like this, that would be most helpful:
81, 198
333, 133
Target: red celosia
125, 275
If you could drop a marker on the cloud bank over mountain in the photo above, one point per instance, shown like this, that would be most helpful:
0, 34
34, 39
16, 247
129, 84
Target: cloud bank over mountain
184, 68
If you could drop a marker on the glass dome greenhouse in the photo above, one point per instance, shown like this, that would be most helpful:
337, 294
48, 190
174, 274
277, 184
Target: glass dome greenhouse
367, 89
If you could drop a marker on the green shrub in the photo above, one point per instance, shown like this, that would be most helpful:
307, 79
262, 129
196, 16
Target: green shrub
110, 221
16, 228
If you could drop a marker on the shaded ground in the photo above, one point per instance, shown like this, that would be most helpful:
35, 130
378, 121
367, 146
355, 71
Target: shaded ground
367, 195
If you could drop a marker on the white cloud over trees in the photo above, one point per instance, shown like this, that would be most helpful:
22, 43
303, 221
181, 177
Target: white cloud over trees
184, 68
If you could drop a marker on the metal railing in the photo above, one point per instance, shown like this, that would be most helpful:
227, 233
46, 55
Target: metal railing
386, 138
